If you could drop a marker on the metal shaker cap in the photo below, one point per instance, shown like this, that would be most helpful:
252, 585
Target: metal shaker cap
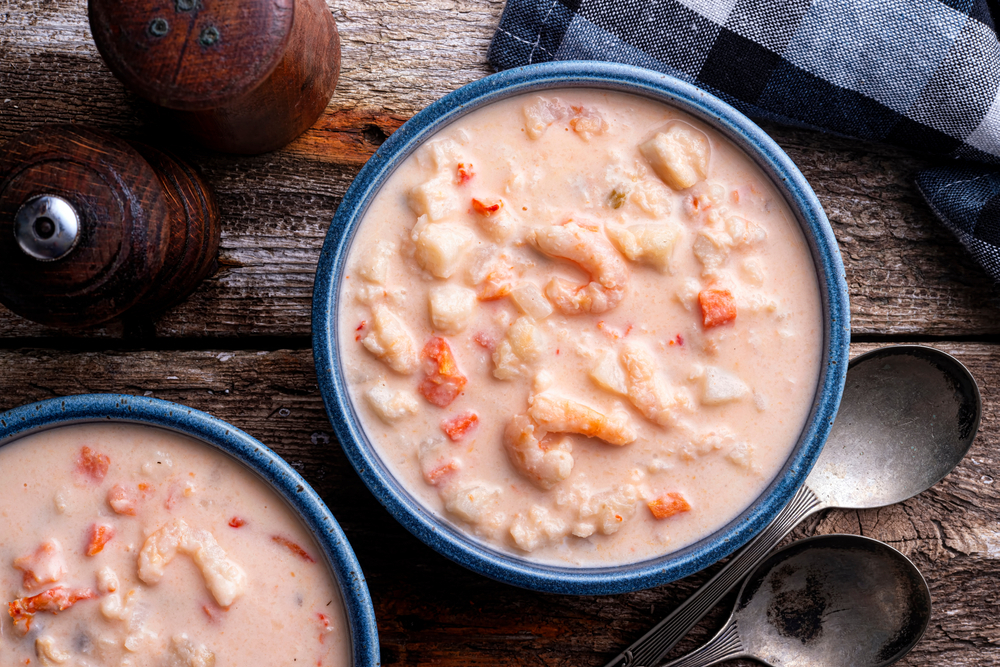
47, 227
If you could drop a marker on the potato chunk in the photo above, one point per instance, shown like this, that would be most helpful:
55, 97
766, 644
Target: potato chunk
439, 155
530, 300
719, 386
451, 308
390, 341
609, 375
440, 246
389, 405
520, 347
436, 198
647, 244
679, 156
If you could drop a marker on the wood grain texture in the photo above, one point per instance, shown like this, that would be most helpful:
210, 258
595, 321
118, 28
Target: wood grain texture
148, 226
950, 531
907, 275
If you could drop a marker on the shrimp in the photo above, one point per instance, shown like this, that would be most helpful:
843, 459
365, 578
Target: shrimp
562, 415
591, 251
545, 466
645, 390
544, 462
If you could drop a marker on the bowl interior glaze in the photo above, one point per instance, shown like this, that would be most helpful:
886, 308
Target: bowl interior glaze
261, 460
465, 549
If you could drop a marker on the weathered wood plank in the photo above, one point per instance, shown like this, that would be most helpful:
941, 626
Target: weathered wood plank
907, 275
950, 531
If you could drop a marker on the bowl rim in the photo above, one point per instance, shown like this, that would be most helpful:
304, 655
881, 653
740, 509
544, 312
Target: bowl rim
486, 559
258, 458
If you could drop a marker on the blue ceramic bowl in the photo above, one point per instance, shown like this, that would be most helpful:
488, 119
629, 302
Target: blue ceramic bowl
56, 412
444, 537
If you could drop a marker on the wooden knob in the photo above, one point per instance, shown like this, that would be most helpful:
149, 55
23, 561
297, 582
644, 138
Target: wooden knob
241, 77
93, 227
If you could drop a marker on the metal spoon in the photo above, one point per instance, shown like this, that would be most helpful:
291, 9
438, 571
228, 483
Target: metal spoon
908, 416
829, 600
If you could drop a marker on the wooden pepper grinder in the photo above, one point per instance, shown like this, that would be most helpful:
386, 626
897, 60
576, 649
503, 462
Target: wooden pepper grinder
241, 76
93, 227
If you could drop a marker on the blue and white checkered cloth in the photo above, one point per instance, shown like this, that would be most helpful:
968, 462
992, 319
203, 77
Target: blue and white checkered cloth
923, 74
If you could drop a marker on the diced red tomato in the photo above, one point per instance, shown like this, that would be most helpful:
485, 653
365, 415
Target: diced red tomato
237, 522
444, 382
486, 209
93, 464
434, 476
293, 547
53, 601
717, 307
459, 426
464, 173
668, 505
100, 534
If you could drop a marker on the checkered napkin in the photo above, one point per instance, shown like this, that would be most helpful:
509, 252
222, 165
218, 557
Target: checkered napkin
923, 74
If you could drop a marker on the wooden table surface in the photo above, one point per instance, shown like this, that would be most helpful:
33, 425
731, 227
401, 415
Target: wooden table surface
240, 347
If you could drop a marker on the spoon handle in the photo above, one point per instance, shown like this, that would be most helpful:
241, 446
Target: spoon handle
651, 647
726, 645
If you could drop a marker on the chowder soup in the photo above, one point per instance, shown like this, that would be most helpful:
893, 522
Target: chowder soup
131, 545
581, 326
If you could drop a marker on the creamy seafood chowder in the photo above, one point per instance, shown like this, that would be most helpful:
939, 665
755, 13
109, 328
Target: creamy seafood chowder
582, 326
127, 545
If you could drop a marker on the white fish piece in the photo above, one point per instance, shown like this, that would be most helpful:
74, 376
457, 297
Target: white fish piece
536, 528
647, 244
391, 406
521, 346
390, 341
48, 654
225, 579
184, 652
374, 265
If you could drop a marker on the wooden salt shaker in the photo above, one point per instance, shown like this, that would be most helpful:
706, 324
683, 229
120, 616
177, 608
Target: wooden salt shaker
93, 228
241, 76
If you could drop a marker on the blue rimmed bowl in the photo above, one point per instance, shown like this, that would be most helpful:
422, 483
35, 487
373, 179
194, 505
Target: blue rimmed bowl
464, 548
90, 408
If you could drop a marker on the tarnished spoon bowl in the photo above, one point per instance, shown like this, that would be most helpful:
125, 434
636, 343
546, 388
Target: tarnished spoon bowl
827, 601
